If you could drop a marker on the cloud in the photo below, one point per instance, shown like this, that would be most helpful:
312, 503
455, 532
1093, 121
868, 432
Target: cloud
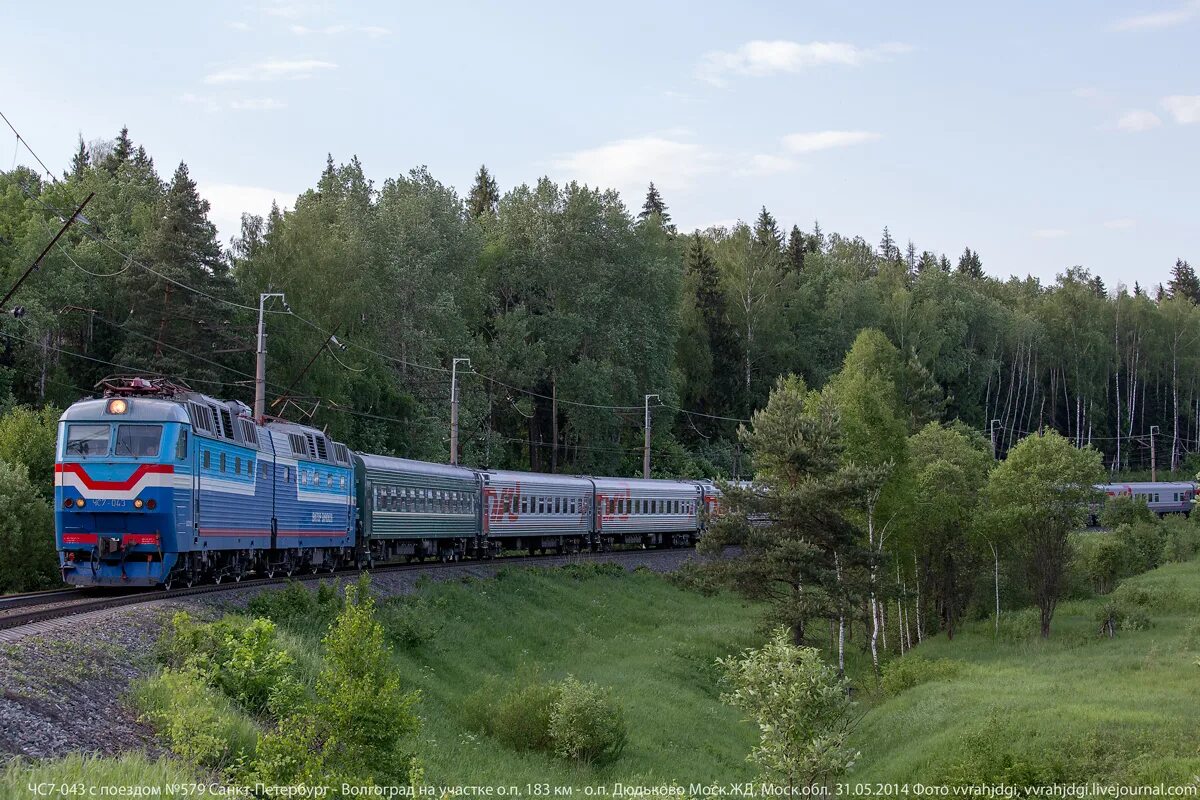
628, 165
229, 201
258, 104
825, 140
374, 31
1185, 108
241, 27
1159, 19
1138, 120
1050, 233
207, 103
1121, 224
270, 71
760, 58
766, 164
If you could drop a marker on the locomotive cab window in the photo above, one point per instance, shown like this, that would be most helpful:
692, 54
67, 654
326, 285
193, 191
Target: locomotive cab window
181, 445
87, 440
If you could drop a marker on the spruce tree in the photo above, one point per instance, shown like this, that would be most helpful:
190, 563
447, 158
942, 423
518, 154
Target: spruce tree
768, 239
969, 264
910, 256
711, 305
655, 206
1184, 282
816, 242
928, 261
122, 150
80, 161
888, 250
795, 250
485, 195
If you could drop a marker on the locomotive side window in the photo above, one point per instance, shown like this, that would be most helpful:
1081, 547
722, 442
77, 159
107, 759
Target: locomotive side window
87, 440
181, 445
206, 460
222, 462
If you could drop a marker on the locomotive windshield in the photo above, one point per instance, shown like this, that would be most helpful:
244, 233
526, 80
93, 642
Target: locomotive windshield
87, 440
139, 441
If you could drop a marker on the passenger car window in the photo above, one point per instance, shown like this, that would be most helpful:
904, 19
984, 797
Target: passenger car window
87, 440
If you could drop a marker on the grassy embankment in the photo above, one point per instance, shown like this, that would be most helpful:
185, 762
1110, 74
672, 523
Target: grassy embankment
1017, 710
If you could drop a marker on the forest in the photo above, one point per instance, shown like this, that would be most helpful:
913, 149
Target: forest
571, 305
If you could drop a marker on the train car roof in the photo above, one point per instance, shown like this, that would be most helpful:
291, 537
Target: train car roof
644, 484
1148, 485
538, 478
141, 409
393, 464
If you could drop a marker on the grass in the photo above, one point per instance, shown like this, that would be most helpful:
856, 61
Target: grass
80, 769
652, 643
1077, 707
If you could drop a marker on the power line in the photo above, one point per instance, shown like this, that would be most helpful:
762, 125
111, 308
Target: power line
21, 140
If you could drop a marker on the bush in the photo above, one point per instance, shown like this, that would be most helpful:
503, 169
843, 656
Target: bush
1182, 539
909, 671
297, 608
356, 728
802, 710
586, 723
27, 438
199, 723
519, 718
412, 621
1114, 616
1144, 542
29, 560
238, 656
1126, 510
1101, 560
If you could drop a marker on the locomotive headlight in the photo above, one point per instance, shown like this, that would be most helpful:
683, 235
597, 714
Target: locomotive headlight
79, 502
138, 503
67, 503
150, 504
117, 406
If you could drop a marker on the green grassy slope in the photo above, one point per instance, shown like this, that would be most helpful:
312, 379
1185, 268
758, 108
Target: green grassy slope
1075, 708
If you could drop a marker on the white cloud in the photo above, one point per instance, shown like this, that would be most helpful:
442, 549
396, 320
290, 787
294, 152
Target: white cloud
270, 71
766, 164
761, 58
229, 201
1184, 108
1121, 224
207, 103
825, 140
628, 165
1050, 233
241, 27
1138, 120
374, 31
258, 104
1160, 19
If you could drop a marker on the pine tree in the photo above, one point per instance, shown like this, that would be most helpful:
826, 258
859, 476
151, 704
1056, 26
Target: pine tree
969, 264
485, 195
655, 206
795, 250
122, 150
80, 161
1184, 282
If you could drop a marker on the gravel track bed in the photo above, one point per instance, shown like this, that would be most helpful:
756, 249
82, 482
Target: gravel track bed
64, 691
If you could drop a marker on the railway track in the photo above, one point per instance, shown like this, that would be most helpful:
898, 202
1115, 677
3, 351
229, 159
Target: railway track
60, 603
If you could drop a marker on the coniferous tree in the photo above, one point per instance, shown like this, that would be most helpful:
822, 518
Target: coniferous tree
910, 257
121, 151
888, 250
768, 239
816, 242
795, 250
969, 264
944, 263
1138, 291
1184, 282
655, 206
928, 261
80, 161
485, 194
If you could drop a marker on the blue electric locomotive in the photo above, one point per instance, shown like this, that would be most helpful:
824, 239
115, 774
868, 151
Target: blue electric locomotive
156, 484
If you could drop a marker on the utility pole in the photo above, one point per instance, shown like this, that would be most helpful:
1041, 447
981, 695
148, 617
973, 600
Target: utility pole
646, 448
993, 426
260, 365
1153, 463
454, 408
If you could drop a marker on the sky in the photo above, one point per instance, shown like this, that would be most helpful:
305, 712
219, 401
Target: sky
1042, 135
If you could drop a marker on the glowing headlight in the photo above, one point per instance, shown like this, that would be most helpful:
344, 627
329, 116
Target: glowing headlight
117, 406
79, 502
138, 503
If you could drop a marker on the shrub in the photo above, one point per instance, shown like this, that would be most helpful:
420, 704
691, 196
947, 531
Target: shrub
27, 439
198, 722
1126, 510
1182, 539
519, 718
412, 621
1101, 559
586, 723
26, 534
909, 671
238, 656
355, 729
1114, 616
1144, 541
297, 608
801, 707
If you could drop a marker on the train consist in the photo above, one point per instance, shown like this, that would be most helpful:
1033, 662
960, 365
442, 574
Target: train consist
1161, 497
156, 485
